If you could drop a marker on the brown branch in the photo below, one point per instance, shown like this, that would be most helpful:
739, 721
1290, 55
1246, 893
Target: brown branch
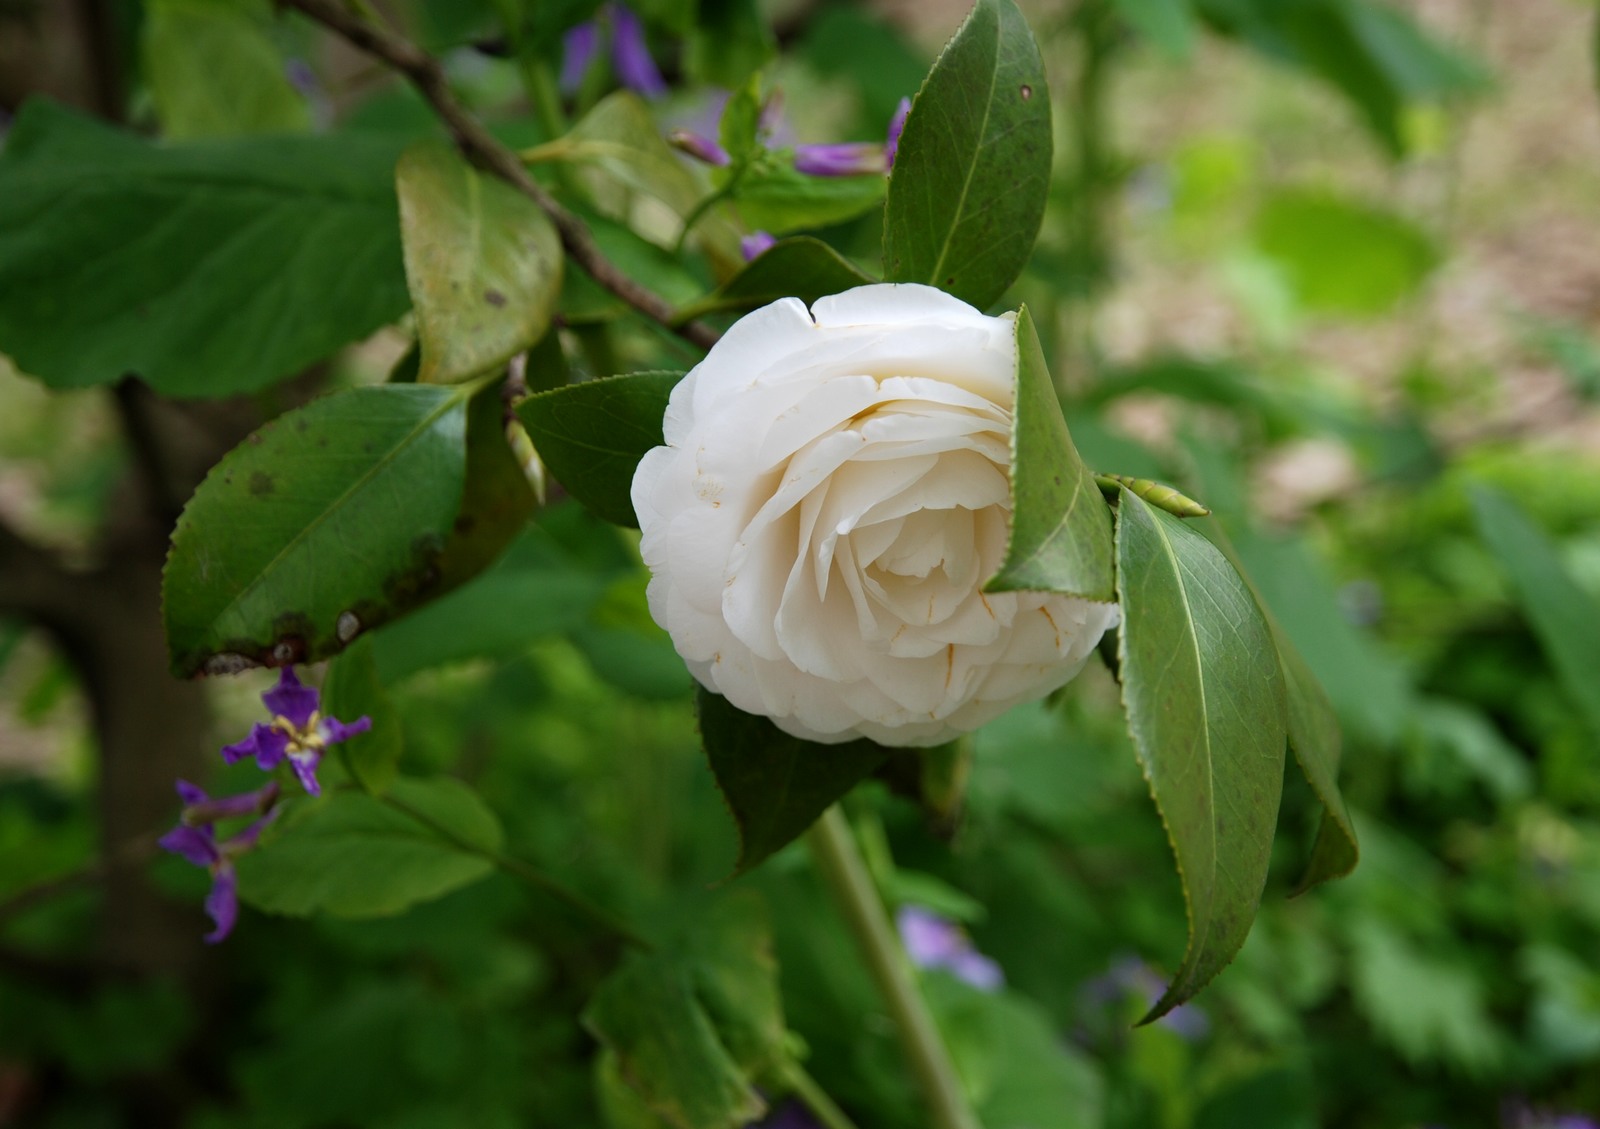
477, 144
35, 585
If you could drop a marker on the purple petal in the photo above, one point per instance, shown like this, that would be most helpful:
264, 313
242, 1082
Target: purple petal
247, 839
897, 126
577, 52
333, 730
977, 970
222, 903
790, 1115
265, 744
197, 845
231, 807
1187, 1021
291, 700
929, 939
630, 55
305, 767
698, 146
851, 158
191, 794
756, 244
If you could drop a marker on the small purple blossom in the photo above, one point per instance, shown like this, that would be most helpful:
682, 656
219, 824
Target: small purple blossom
897, 126
297, 733
698, 146
845, 158
630, 55
195, 841
1131, 976
756, 244
932, 941
789, 1115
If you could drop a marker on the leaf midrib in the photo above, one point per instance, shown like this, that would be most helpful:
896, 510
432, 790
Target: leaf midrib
972, 165
1196, 942
457, 394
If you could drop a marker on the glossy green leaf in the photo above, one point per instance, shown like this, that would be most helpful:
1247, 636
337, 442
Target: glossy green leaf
1344, 257
351, 690
591, 436
215, 72
775, 785
775, 197
1314, 736
1060, 523
800, 267
1564, 617
973, 169
254, 258
328, 521
483, 262
355, 855
1205, 699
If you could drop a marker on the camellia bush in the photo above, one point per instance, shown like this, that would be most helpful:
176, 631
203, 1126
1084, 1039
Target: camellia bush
662, 403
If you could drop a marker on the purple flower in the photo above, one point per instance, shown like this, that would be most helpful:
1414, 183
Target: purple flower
195, 840
297, 732
846, 158
1132, 976
698, 146
630, 55
756, 244
897, 126
932, 941
790, 1115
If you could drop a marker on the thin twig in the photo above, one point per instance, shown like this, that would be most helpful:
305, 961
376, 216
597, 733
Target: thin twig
480, 146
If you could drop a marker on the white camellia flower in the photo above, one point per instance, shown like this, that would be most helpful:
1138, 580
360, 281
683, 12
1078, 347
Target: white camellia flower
833, 494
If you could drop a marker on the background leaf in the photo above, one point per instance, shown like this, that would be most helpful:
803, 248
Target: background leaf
1205, 701
1342, 257
1563, 615
973, 168
483, 263
351, 690
253, 259
215, 72
775, 785
1060, 523
328, 521
800, 267
591, 436
354, 855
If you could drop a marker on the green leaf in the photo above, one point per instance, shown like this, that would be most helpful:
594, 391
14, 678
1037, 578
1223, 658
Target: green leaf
483, 261
215, 72
1314, 736
775, 197
355, 855
775, 785
591, 436
740, 124
678, 1018
1169, 24
328, 521
1020, 1073
1060, 523
1205, 698
351, 690
1564, 617
253, 258
801, 267
972, 172
730, 42
667, 1048
1342, 257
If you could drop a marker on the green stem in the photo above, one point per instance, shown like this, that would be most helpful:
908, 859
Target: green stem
838, 859
529, 875
816, 1099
